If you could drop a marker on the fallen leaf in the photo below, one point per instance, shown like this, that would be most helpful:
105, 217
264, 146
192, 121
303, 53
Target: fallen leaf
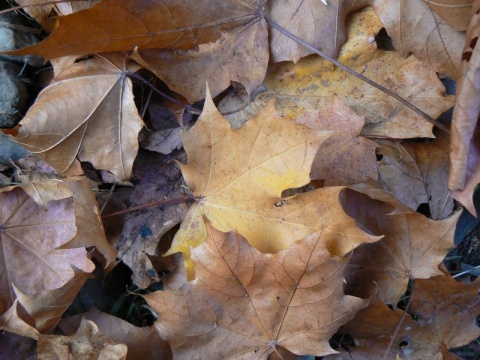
87, 343
164, 141
243, 304
345, 158
44, 309
439, 324
416, 173
412, 247
30, 238
313, 83
45, 14
159, 24
464, 172
238, 176
320, 25
137, 237
143, 343
416, 29
90, 103
455, 13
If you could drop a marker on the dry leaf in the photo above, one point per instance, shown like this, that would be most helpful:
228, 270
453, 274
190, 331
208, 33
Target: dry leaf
170, 24
238, 178
464, 149
413, 245
416, 173
143, 343
439, 323
87, 343
90, 103
321, 25
138, 236
313, 83
344, 158
30, 238
243, 304
416, 29
456, 13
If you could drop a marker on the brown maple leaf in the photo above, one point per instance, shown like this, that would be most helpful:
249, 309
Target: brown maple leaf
413, 245
88, 104
245, 304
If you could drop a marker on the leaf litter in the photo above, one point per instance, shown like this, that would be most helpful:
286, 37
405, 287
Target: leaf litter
251, 286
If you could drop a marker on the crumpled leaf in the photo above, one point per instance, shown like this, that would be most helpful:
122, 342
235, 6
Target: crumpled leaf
87, 343
238, 177
412, 247
345, 158
321, 25
90, 103
243, 304
464, 172
313, 83
137, 237
143, 343
416, 173
416, 29
30, 238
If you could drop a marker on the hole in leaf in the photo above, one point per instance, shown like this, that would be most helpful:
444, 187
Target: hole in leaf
344, 341
384, 42
312, 185
477, 321
379, 157
403, 343
424, 209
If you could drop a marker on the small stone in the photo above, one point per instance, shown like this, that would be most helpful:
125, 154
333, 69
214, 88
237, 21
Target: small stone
13, 95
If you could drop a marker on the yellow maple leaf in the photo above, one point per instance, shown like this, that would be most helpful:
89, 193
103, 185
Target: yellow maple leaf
238, 176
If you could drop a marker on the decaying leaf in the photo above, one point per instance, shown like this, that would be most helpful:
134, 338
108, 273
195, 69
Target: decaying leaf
416, 29
143, 343
313, 83
416, 173
465, 149
412, 247
90, 103
439, 323
30, 238
87, 343
244, 304
238, 176
456, 13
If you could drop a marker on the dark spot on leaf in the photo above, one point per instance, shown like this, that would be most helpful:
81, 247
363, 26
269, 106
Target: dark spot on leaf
145, 231
473, 42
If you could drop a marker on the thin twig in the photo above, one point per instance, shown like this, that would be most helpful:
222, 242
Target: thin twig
154, 203
397, 97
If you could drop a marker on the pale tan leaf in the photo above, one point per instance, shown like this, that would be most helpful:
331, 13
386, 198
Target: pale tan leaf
416, 29
456, 13
87, 343
90, 103
143, 343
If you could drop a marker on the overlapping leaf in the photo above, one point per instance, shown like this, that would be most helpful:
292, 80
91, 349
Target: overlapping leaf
413, 245
244, 304
88, 104
238, 178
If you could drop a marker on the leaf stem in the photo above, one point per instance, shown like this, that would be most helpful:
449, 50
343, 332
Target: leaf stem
335, 62
154, 203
